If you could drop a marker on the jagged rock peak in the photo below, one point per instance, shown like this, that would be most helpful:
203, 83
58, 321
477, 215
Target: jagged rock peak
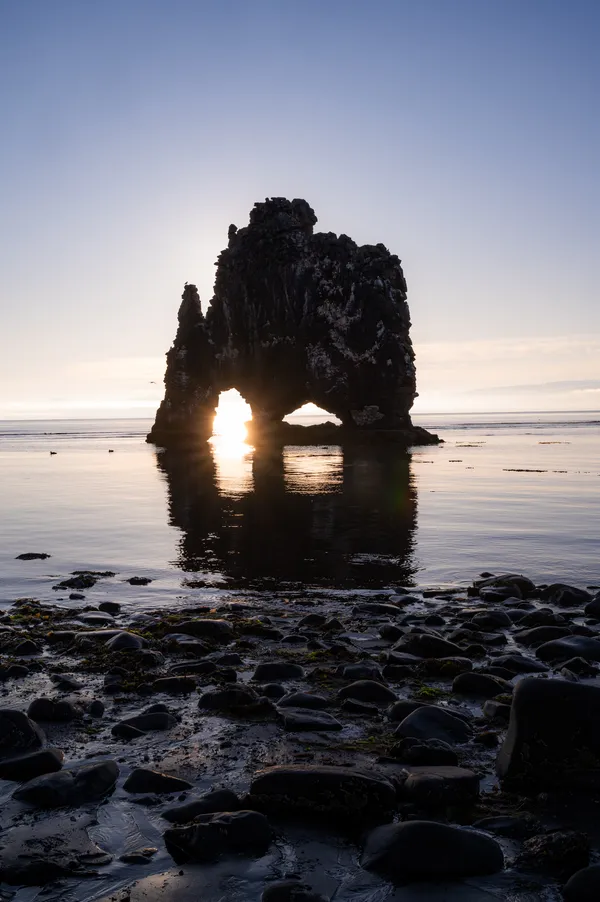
296, 316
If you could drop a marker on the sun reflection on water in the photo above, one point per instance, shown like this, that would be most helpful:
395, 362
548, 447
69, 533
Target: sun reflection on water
232, 453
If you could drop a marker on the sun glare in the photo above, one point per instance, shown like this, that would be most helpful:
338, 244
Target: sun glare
229, 426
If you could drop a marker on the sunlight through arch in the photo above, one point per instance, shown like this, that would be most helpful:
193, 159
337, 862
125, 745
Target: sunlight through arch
309, 415
229, 425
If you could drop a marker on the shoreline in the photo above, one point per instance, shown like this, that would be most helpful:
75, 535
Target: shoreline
218, 681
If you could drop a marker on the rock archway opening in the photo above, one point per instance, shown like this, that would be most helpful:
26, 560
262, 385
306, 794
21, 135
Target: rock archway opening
230, 429
311, 415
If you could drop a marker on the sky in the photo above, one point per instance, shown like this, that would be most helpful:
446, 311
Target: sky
463, 134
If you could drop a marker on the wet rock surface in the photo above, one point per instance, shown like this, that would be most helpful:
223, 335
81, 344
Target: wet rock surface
256, 763
328, 317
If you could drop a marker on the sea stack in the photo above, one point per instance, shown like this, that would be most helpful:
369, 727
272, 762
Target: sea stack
296, 316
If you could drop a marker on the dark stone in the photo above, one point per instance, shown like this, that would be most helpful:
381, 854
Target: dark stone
434, 723
424, 752
18, 733
368, 691
209, 803
425, 645
518, 664
46, 709
424, 850
143, 780
514, 582
402, 708
353, 706
126, 641
46, 761
565, 596
27, 648
440, 786
213, 835
307, 719
537, 635
230, 699
302, 700
138, 580
570, 647
70, 786
148, 722
340, 794
174, 685
583, 886
328, 318
480, 685
364, 670
111, 607
277, 671
491, 620
553, 739
219, 631
560, 853
32, 556
274, 690
84, 581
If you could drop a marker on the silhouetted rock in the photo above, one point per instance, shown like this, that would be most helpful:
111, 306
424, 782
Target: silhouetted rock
295, 317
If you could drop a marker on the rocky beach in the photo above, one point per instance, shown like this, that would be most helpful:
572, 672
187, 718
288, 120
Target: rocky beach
302, 746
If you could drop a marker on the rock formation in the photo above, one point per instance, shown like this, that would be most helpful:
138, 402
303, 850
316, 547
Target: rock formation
295, 317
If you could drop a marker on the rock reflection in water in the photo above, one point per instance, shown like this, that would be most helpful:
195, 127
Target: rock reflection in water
319, 515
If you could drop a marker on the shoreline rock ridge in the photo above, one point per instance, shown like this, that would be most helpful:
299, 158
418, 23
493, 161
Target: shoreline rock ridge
296, 316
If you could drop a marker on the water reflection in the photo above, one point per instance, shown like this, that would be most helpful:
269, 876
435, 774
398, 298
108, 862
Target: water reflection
314, 515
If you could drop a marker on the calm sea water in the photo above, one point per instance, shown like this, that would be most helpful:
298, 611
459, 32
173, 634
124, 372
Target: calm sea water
503, 493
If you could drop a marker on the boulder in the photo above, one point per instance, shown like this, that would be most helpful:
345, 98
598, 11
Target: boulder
276, 671
368, 691
34, 764
425, 645
571, 647
308, 719
72, 786
425, 850
434, 723
218, 631
209, 803
341, 794
150, 781
440, 786
213, 835
584, 885
553, 738
18, 733
480, 685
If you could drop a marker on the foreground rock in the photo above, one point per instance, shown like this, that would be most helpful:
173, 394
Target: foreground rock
18, 733
213, 835
26, 767
584, 886
335, 793
553, 739
71, 786
424, 850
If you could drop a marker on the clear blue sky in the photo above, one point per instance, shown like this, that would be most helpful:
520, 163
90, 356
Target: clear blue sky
463, 134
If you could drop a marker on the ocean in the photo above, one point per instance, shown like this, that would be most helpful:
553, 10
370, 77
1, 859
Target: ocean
505, 492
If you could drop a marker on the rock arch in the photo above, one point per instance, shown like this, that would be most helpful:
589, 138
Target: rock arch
295, 317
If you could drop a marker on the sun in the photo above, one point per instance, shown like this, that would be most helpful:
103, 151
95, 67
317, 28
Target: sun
229, 426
